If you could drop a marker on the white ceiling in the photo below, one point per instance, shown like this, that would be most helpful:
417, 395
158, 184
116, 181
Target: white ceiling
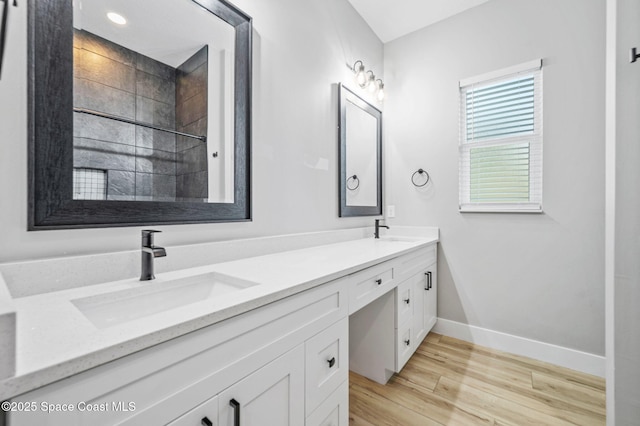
170, 38
391, 19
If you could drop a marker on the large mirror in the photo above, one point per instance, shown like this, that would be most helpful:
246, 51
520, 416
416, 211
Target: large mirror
139, 112
360, 156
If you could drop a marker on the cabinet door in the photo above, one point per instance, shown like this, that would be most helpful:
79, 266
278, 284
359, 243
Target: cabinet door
205, 414
425, 306
273, 395
334, 411
431, 298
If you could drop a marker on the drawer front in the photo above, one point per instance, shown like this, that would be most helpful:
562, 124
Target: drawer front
412, 263
326, 363
368, 285
404, 345
404, 302
333, 411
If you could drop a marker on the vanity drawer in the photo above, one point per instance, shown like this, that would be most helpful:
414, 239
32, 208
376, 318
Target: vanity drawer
404, 302
410, 264
333, 411
404, 347
368, 285
326, 363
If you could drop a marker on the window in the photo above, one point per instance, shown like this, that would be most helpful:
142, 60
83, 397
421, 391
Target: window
501, 141
89, 184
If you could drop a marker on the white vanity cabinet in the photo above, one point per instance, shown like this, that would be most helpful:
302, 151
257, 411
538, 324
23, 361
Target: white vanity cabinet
416, 303
257, 358
284, 363
385, 331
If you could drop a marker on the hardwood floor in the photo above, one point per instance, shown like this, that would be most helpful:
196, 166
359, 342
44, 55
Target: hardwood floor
452, 382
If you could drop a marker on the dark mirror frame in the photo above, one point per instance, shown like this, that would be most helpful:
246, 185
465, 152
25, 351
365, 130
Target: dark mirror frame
51, 204
345, 96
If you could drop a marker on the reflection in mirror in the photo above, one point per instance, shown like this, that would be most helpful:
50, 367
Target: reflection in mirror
174, 80
153, 102
360, 156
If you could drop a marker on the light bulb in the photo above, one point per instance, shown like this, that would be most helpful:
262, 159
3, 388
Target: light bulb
371, 81
380, 87
361, 76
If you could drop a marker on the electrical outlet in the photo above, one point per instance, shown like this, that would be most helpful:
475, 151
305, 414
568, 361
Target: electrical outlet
391, 211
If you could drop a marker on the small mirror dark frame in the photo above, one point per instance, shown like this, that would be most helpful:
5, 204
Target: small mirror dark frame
345, 96
51, 204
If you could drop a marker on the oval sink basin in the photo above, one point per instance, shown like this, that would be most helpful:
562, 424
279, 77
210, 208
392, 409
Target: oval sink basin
108, 309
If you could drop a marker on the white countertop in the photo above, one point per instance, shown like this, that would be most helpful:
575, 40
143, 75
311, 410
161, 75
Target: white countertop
54, 340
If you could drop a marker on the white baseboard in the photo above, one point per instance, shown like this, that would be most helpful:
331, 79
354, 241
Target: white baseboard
558, 355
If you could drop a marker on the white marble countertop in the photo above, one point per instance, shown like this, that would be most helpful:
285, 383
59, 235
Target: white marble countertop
54, 340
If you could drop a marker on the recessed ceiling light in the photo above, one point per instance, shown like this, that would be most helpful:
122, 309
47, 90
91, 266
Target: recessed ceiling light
116, 18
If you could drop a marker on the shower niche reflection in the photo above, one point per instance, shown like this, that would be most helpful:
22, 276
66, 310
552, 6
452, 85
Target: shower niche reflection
152, 103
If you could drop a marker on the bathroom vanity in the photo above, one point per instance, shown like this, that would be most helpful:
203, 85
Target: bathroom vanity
273, 347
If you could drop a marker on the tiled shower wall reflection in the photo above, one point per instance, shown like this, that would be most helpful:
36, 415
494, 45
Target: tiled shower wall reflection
191, 117
140, 162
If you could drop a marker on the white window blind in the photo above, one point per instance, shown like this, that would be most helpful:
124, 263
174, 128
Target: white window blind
501, 141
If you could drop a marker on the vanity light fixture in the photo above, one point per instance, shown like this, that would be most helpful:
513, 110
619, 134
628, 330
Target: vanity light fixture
361, 76
116, 18
367, 80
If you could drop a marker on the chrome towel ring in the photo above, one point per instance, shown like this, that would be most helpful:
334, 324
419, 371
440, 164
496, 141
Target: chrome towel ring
420, 173
355, 179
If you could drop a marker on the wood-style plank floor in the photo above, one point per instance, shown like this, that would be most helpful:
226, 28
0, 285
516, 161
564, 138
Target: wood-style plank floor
452, 382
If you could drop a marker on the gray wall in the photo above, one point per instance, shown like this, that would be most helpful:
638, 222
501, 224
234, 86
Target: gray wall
534, 276
112, 79
623, 340
301, 49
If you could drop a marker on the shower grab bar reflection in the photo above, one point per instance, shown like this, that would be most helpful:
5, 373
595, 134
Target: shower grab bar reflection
137, 123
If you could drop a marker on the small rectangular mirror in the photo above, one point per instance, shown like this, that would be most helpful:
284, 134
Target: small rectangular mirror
360, 156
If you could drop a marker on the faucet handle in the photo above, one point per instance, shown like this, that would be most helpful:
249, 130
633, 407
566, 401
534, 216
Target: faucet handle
147, 237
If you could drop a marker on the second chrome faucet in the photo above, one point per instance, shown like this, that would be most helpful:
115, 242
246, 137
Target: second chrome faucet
149, 252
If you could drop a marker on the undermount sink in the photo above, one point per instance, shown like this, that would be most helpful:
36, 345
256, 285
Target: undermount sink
108, 309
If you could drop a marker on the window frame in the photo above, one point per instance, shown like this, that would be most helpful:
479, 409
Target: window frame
534, 139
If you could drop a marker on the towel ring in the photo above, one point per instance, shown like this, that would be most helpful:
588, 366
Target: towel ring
355, 179
420, 172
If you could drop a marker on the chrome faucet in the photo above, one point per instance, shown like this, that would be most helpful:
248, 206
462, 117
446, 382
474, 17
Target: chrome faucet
378, 226
149, 251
